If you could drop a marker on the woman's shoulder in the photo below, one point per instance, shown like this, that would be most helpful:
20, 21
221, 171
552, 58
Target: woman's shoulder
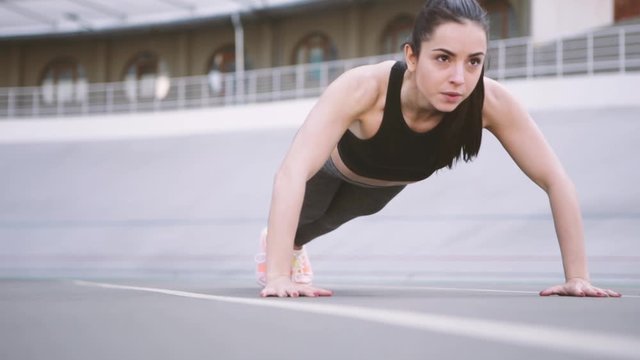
498, 101
364, 84
370, 76
493, 92
377, 70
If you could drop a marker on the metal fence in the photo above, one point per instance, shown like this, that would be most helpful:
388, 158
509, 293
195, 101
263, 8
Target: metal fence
616, 49
612, 50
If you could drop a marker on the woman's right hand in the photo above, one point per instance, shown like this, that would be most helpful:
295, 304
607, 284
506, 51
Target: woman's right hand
284, 287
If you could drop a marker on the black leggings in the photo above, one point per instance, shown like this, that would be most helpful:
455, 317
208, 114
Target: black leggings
331, 200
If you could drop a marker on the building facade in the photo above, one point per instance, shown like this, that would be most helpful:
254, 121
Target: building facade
305, 34
313, 33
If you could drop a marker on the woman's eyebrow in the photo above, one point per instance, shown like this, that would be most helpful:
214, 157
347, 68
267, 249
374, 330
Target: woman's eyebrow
451, 53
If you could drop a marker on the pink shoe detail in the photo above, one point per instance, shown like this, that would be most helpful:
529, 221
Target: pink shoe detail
261, 259
301, 271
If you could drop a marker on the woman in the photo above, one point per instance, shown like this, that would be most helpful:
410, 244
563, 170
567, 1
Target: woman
380, 127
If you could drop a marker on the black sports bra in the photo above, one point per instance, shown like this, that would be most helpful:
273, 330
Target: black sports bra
395, 152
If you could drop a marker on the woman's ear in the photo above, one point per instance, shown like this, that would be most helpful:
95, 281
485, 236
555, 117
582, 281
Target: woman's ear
410, 57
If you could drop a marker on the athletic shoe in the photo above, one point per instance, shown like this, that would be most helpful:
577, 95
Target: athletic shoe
261, 259
301, 271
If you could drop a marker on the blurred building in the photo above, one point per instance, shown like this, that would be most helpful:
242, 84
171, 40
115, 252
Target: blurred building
65, 45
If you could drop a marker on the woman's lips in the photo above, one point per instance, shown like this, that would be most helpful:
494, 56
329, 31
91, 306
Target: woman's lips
452, 96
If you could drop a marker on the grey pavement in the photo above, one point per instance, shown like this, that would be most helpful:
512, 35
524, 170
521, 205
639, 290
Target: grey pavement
183, 213
61, 320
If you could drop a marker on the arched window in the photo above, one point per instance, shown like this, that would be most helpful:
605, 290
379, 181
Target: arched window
146, 77
396, 33
502, 18
63, 81
314, 48
222, 61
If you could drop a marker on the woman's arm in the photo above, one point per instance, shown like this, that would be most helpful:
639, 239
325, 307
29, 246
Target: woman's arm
524, 142
342, 103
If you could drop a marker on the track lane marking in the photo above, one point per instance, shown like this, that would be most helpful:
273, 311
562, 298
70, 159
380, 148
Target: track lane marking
536, 336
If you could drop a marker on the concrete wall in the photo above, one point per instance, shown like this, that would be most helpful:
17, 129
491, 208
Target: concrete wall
551, 19
596, 92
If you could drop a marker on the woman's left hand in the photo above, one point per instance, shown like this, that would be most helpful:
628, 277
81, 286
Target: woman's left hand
578, 287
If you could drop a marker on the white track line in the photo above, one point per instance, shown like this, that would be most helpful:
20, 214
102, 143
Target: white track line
609, 346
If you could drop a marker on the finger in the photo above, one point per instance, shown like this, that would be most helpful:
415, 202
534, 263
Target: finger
293, 293
554, 290
267, 292
594, 292
546, 292
311, 291
282, 293
308, 293
323, 292
563, 291
590, 291
613, 293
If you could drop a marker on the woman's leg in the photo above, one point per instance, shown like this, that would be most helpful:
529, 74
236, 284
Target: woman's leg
350, 201
319, 191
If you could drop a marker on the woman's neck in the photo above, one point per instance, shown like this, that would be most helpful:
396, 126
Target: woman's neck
416, 108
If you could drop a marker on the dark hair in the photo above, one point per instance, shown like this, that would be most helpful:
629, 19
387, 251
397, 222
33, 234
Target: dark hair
461, 128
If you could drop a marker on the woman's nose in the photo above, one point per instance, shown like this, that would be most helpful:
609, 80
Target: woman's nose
457, 74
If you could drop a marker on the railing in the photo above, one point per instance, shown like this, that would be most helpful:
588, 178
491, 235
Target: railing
616, 49
613, 50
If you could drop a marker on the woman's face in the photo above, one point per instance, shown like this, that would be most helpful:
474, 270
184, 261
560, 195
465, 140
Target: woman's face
449, 64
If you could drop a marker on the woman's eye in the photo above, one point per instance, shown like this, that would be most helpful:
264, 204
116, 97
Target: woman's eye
442, 58
475, 62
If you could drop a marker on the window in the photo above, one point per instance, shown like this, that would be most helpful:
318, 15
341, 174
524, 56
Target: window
63, 81
146, 77
222, 61
314, 48
626, 9
396, 33
502, 19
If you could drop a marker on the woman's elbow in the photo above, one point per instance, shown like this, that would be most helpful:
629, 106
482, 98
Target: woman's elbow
286, 177
558, 182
